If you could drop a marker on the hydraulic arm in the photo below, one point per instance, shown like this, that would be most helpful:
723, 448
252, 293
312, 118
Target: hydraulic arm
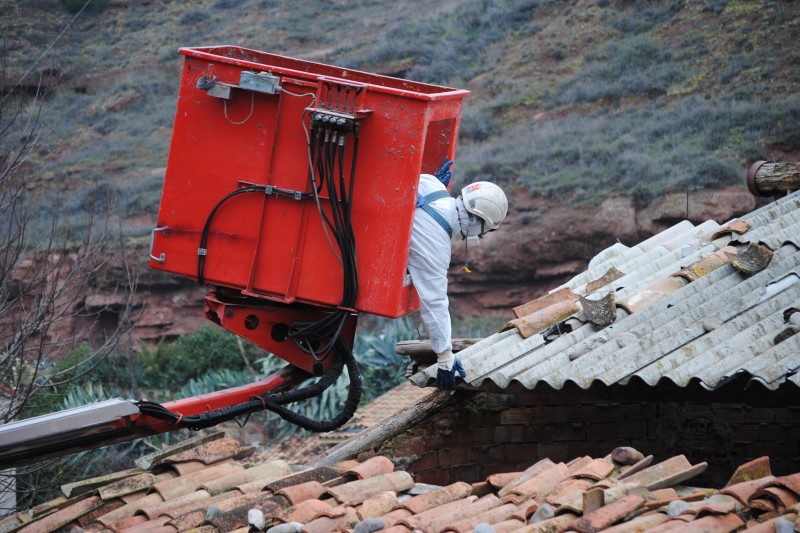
290, 192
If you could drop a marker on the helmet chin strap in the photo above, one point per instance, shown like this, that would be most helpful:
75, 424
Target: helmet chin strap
471, 228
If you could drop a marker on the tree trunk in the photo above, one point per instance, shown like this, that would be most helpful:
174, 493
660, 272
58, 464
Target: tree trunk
771, 179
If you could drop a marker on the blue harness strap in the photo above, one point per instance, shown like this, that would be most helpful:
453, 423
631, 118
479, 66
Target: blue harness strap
423, 203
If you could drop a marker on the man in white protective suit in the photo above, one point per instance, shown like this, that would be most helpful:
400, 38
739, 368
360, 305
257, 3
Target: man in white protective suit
438, 219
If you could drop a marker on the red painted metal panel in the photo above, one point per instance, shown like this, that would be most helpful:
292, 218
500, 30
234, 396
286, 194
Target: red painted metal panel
272, 246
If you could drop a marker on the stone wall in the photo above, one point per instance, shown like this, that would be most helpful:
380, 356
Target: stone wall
509, 430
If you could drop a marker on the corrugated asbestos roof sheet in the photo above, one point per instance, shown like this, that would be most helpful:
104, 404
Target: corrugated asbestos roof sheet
215, 487
703, 303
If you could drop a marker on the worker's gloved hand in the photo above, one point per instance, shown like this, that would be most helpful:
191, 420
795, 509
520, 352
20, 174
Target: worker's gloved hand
444, 174
448, 366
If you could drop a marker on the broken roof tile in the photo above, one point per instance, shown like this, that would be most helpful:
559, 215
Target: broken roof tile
542, 319
355, 492
751, 259
415, 520
600, 312
737, 226
612, 274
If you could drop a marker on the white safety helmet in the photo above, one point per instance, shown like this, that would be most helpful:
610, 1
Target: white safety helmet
487, 201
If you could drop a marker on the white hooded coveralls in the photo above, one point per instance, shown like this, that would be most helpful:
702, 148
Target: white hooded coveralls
428, 261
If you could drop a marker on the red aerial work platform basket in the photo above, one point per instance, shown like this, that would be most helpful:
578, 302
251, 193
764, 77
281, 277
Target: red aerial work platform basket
243, 119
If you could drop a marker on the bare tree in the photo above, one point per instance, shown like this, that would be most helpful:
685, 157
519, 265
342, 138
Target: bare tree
48, 272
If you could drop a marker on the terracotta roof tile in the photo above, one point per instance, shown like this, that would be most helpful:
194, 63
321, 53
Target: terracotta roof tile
371, 467
212, 452
770, 526
182, 485
355, 492
436, 522
158, 525
64, 516
303, 491
755, 469
450, 493
393, 517
308, 510
596, 469
377, 505
541, 485
502, 479
608, 515
326, 524
529, 472
324, 499
638, 524
129, 509
743, 490
672, 471
267, 472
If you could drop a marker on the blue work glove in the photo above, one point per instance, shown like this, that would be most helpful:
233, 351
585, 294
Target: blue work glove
444, 174
446, 379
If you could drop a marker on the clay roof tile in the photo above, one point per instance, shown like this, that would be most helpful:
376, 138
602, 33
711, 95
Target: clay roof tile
377, 505
608, 515
356, 492
441, 496
303, 491
373, 466
308, 510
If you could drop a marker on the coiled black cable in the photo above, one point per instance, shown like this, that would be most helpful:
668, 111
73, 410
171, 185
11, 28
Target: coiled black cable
275, 401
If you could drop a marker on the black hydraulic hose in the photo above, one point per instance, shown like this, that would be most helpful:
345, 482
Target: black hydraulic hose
201, 255
275, 401
349, 408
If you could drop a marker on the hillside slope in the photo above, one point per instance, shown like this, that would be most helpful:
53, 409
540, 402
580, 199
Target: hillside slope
585, 110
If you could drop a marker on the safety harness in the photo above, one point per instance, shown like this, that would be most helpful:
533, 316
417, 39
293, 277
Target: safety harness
423, 202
